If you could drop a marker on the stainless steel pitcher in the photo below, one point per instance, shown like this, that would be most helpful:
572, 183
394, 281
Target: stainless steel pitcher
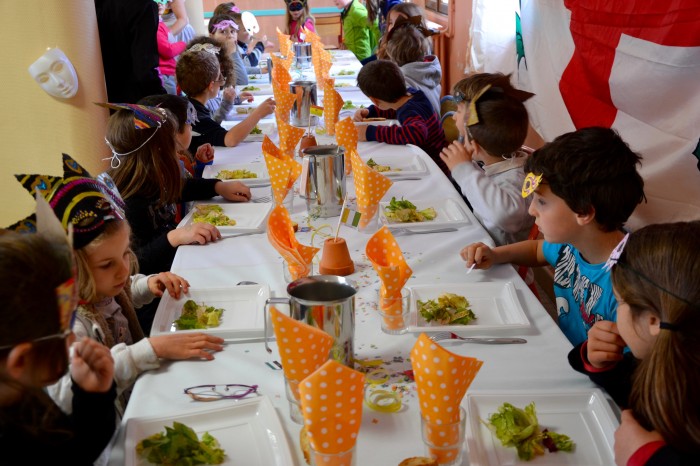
304, 97
302, 55
323, 180
326, 302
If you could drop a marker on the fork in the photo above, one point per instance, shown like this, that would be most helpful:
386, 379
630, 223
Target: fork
485, 340
262, 199
408, 231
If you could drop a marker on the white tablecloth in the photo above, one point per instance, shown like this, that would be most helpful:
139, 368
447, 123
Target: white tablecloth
384, 439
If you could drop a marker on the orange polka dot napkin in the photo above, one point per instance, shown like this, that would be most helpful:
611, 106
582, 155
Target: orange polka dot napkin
280, 233
370, 187
289, 137
303, 348
280, 69
285, 44
284, 100
346, 136
386, 257
332, 103
442, 379
331, 402
283, 170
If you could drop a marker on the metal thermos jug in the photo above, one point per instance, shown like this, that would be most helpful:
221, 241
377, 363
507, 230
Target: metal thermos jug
322, 182
304, 93
326, 302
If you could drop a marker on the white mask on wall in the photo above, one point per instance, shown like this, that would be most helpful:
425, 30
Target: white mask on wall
55, 74
250, 23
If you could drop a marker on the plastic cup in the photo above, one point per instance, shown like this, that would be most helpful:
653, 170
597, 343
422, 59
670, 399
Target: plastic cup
288, 278
291, 389
444, 442
345, 458
288, 202
395, 312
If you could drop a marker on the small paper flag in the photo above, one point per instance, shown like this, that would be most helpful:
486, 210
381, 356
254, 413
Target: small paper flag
316, 110
350, 217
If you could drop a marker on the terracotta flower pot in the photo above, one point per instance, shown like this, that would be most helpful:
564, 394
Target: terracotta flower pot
335, 259
307, 141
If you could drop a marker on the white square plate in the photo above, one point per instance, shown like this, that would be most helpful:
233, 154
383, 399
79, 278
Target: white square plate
450, 213
585, 416
249, 217
243, 315
387, 122
259, 168
267, 129
249, 431
336, 69
405, 165
262, 88
495, 305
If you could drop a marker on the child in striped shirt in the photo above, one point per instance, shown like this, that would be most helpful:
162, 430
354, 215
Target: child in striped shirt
419, 124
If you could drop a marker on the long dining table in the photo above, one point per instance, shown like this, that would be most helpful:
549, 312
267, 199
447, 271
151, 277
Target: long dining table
385, 438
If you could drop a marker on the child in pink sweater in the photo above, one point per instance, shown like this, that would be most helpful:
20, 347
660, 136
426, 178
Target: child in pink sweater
167, 51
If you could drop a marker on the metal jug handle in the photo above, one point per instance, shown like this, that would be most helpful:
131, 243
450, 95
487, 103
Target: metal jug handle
269, 301
315, 179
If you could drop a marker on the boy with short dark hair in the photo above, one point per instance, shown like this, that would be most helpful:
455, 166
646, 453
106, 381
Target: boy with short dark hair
199, 76
585, 186
383, 82
488, 164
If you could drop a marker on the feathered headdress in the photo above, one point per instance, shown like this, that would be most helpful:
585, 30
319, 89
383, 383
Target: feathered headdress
81, 203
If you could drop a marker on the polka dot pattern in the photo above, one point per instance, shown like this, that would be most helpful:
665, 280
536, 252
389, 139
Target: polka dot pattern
370, 187
331, 402
289, 137
346, 136
283, 169
280, 233
442, 380
332, 103
303, 348
284, 100
386, 257
285, 44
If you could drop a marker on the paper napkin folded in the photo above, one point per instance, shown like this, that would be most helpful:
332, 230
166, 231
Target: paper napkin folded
387, 259
284, 100
346, 136
289, 137
442, 379
332, 103
331, 401
283, 169
303, 348
280, 233
285, 44
370, 187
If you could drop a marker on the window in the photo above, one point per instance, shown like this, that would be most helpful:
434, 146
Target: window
440, 6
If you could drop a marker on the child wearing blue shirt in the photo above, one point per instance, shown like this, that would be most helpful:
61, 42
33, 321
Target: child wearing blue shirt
585, 186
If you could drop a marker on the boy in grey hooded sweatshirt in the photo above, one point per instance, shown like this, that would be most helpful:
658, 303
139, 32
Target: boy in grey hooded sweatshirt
408, 47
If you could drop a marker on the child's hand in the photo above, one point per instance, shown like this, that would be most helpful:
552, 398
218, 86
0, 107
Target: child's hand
479, 254
630, 436
265, 108
186, 345
360, 114
605, 344
233, 191
175, 284
229, 94
456, 153
247, 97
194, 233
361, 132
205, 153
91, 366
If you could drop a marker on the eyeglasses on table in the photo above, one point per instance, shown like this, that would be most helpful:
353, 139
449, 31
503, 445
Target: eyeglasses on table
220, 391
